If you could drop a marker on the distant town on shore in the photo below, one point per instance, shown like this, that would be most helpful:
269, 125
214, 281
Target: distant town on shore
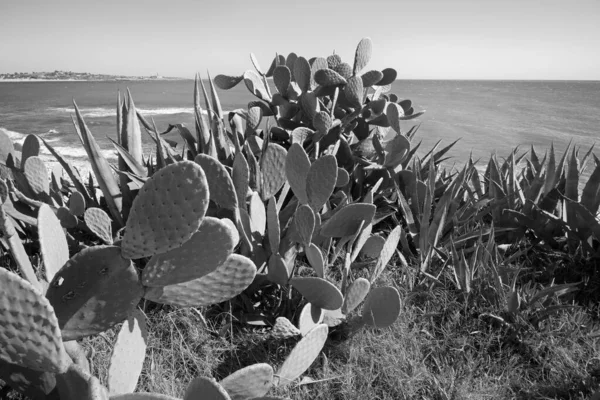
76, 76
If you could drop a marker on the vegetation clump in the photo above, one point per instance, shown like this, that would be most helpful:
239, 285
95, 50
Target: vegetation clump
311, 215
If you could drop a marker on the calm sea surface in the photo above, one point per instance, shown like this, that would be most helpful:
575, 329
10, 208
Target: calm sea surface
488, 116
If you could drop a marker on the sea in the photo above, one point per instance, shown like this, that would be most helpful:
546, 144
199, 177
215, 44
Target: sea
489, 117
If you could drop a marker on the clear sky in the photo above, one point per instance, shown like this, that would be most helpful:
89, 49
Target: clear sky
425, 39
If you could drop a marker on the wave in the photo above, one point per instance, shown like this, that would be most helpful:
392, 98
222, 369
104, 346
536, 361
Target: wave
100, 112
15, 136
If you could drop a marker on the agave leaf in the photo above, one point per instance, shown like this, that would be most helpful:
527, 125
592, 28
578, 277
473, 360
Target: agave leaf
205, 143
131, 135
240, 176
590, 197
100, 166
133, 165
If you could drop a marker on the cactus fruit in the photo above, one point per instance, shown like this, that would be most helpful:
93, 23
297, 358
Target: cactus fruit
303, 355
220, 185
355, 294
319, 292
297, 165
309, 318
284, 329
205, 388
29, 333
382, 307
227, 281
249, 383
167, 211
208, 248
96, 289
53, 243
347, 220
320, 181
99, 222
273, 170
128, 354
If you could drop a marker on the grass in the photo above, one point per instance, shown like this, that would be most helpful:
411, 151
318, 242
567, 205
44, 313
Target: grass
443, 346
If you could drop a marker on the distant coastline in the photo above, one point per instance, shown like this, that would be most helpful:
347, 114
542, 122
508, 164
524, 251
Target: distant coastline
69, 76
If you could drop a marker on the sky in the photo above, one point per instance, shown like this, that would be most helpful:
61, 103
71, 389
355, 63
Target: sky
425, 39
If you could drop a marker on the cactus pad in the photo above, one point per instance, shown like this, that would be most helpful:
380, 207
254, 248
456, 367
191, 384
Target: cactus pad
328, 77
346, 221
303, 355
362, 55
389, 76
354, 91
31, 148
128, 354
37, 175
297, 165
99, 222
309, 318
53, 243
232, 229
77, 204
205, 388
208, 248
30, 383
382, 307
3, 192
284, 329
304, 219
315, 258
282, 78
167, 211
226, 82
342, 178
388, 250
6, 147
250, 382
273, 227
219, 182
356, 293
96, 289
29, 333
273, 170
143, 396
277, 272
67, 220
373, 246
226, 282
302, 73
240, 177
258, 215
319, 292
321, 180
371, 78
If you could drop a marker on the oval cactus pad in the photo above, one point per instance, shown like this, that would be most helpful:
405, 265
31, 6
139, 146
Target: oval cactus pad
227, 281
250, 382
303, 355
96, 289
99, 222
321, 180
208, 248
53, 243
356, 293
309, 318
382, 307
220, 183
319, 292
143, 396
304, 218
346, 221
37, 175
167, 211
29, 332
297, 165
273, 170
205, 388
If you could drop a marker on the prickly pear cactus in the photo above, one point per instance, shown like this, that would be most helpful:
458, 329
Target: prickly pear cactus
303, 355
250, 382
53, 243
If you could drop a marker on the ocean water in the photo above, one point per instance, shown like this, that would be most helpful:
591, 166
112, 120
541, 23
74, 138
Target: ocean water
487, 116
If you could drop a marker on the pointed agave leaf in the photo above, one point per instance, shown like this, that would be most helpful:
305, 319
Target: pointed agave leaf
328, 77
362, 55
348, 219
206, 144
388, 250
297, 166
309, 318
102, 170
315, 258
29, 332
128, 159
206, 250
358, 290
227, 281
354, 91
128, 355
167, 211
319, 292
220, 186
273, 170
99, 223
273, 225
53, 243
382, 307
226, 82
303, 355
216, 104
131, 135
205, 388
320, 181
302, 73
250, 382
590, 197
94, 290
389, 76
